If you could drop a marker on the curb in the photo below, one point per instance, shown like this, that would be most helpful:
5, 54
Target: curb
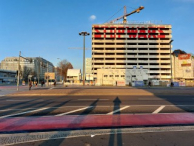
92, 121
77, 94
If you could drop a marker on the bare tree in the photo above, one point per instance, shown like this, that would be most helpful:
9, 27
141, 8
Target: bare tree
26, 72
64, 65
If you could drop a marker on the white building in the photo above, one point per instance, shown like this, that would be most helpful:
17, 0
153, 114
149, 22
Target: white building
128, 46
73, 75
183, 67
123, 76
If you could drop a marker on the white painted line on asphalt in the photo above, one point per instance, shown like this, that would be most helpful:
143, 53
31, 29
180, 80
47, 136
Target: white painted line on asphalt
151, 98
74, 111
18, 100
92, 99
118, 110
158, 109
2, 95
51, 88
23, 113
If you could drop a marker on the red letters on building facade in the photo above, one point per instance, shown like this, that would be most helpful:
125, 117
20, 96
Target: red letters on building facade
132, 32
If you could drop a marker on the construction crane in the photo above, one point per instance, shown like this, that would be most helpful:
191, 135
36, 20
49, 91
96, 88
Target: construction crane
125, 14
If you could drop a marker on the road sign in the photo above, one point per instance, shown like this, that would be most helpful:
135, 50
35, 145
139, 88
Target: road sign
50, 75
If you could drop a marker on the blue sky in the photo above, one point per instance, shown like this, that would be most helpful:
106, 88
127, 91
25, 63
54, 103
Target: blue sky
47, 28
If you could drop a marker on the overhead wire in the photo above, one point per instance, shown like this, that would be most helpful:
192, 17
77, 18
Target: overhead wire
118, 12
113, 15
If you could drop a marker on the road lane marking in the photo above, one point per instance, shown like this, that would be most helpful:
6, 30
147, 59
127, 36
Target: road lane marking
151, 98
92, 99
51, 88
17, 100
74, 111
23, 113
158, 109
118, 110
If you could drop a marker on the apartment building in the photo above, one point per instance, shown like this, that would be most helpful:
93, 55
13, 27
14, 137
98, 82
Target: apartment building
132, 46
38, 66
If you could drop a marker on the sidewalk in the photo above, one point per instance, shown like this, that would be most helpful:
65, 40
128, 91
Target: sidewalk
105, 91
23, 124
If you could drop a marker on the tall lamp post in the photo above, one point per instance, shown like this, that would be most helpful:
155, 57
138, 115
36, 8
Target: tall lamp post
84, 34
171, 59
61, 70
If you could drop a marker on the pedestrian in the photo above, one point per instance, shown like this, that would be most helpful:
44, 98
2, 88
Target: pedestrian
116, 83
36, 84
42, 84
149, 84
55, 83
172, 84
30, 85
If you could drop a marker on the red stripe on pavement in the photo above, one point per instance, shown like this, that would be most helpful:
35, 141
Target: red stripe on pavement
92, 121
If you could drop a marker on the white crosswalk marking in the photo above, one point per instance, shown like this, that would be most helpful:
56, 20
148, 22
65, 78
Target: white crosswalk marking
24, 112
74, 111
118, 110
158, 109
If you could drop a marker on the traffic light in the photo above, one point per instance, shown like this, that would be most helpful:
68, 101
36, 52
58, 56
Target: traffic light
17, 72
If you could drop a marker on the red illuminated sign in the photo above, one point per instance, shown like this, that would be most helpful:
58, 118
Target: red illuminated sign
184, 56
131, 31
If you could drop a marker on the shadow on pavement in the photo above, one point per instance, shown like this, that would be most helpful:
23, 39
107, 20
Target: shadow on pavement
78, 119
118, 136
24, 122
176, 96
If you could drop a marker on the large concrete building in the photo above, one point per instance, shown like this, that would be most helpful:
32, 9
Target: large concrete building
132, 46
37, 67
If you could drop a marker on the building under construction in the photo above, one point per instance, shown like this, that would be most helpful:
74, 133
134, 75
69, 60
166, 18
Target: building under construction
132, 46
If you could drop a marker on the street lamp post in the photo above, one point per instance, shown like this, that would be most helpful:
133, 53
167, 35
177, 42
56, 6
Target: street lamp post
61, 70
171, 59
18, 75
84, 34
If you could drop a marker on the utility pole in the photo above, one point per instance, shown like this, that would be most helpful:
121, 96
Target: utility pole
47, 75
171, 59
39, 69
18, 80
84, 62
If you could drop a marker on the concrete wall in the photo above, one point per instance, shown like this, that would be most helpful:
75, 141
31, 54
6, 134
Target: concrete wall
111, 76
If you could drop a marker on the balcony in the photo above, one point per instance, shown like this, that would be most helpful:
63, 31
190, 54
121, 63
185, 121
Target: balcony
154, 76
158, 71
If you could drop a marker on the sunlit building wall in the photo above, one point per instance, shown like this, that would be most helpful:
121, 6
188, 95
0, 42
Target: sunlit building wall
130, 46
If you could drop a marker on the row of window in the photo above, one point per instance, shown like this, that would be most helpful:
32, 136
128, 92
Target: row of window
122, 76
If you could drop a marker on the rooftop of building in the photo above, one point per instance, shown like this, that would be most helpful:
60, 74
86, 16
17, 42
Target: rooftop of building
134, 24
16, 59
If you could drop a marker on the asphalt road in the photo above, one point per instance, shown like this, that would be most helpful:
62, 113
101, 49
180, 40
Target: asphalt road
180, 138
84, 104
58, 105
